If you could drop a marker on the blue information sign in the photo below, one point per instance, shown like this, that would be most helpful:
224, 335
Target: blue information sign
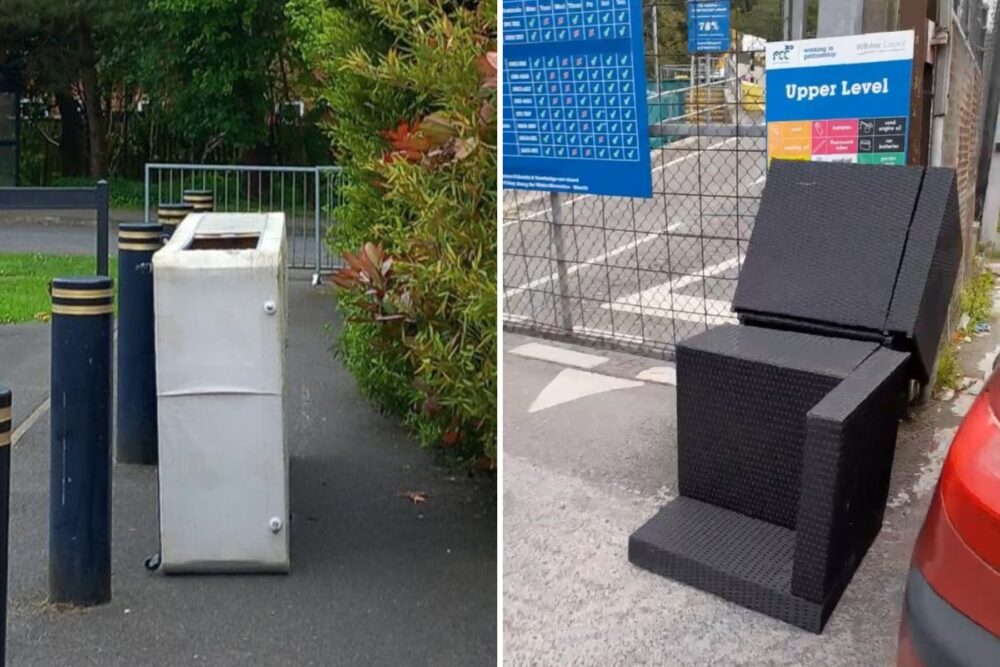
574, 98
840, 99
708, 26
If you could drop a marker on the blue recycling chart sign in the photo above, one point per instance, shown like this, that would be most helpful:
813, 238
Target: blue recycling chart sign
708, 26
574, 98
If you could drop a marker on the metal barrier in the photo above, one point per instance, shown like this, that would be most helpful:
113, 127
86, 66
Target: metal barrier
308, 196
642, 274
95, 198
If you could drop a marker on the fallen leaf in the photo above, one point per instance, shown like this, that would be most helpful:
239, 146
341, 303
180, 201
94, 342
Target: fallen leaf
464, 148
416, 497
487, 66
438, 128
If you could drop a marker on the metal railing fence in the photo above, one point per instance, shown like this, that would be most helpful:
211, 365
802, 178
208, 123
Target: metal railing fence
309, 197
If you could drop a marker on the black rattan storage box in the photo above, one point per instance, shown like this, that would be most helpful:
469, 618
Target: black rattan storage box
743, 393
786, 437
787, 423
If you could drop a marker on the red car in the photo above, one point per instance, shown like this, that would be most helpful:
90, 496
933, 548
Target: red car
951, 613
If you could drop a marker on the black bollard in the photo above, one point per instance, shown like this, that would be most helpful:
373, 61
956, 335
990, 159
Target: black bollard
202, 201
136, 365
171, 215
5, 429
80, 464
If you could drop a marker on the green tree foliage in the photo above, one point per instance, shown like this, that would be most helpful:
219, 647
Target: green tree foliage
214, 73
413, 86
671, 36
61, 47
215, 69
761, 18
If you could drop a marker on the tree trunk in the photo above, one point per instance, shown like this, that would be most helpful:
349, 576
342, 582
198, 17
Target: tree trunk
255, 155
72, 142
92, 100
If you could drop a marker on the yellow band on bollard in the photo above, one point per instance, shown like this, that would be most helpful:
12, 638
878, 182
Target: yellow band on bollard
100, 309
82, 293
131, 236
140, 246
5, 417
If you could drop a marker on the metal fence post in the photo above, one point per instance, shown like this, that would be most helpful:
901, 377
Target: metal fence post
145, 214
559, 251
80, 463
102, 228
319, 249
5, 435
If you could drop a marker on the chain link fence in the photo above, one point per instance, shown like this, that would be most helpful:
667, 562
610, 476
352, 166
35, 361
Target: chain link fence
643, 274
308, 196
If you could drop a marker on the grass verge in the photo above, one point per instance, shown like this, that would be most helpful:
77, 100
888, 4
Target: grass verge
948, 372
976, 301
24, 283
977, 298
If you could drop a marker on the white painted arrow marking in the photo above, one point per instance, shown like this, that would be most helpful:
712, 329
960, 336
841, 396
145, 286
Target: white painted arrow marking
572, 384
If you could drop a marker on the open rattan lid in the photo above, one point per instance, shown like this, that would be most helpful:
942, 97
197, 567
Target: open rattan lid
860, 251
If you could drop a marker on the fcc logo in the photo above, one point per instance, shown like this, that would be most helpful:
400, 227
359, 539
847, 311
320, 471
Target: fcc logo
782, 56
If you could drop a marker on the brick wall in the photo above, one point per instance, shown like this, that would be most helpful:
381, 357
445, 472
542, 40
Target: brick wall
960, 143
959, 149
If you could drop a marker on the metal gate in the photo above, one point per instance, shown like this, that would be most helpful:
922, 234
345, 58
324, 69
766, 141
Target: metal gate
309, 197
643, 274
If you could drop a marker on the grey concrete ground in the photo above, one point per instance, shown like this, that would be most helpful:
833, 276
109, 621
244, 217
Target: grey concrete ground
581, 472
375, 579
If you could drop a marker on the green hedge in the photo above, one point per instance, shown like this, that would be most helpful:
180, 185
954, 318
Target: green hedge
412, 89
122, 192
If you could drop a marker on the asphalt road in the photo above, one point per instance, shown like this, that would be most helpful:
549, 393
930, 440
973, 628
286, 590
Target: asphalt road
24, 367
590, 455
654, 270
73, 233
375, 579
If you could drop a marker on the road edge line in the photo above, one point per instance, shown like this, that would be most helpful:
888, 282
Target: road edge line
33, 418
